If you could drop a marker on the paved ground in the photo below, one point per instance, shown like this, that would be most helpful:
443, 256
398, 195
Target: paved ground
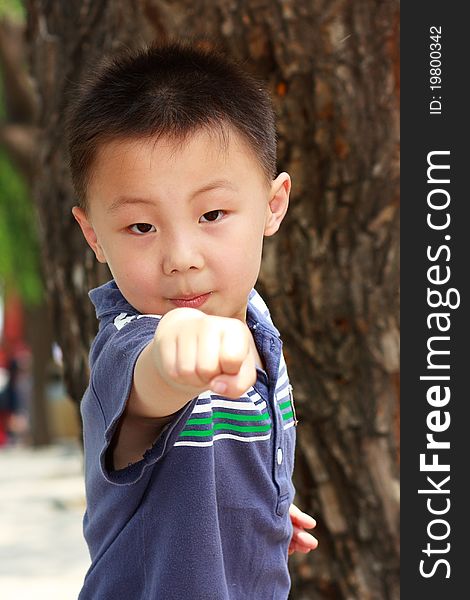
42, 551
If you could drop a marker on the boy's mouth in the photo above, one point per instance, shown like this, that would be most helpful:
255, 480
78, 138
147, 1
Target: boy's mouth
192, 301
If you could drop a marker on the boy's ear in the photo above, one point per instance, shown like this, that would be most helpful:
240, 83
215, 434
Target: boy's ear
278, 203
88, 233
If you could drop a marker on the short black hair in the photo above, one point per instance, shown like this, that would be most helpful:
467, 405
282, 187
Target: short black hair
167, 90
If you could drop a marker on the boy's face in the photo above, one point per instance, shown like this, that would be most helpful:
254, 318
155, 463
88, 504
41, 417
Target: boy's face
182, 222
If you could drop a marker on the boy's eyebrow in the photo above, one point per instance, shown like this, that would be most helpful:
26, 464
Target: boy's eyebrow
213, 185
125, 200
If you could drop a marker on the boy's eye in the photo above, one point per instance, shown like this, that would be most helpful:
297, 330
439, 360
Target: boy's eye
141, 228
212, 215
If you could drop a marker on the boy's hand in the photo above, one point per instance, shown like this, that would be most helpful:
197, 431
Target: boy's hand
301, 540
195, 352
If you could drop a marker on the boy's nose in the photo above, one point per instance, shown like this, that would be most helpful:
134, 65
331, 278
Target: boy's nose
180, 257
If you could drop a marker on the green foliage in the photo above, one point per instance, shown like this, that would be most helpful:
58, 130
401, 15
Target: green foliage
19, 249
12, 9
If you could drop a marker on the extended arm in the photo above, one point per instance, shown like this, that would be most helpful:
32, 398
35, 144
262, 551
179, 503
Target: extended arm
190, 353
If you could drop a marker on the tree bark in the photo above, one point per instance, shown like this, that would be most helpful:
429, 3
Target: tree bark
38, 332
65, 40
330, 276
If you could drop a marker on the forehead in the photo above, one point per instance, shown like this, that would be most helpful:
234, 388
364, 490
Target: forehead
161, 152
137, 162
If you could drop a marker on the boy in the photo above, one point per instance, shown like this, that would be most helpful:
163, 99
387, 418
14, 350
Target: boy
188, 418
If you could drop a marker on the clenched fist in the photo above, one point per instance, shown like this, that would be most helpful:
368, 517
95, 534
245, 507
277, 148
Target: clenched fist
194, 352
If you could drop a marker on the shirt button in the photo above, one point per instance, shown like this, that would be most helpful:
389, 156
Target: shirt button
279, 456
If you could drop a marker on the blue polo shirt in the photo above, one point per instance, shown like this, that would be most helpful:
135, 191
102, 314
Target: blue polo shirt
205, 514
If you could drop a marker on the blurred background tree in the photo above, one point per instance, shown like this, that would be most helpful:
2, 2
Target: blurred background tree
20, 269
330, 277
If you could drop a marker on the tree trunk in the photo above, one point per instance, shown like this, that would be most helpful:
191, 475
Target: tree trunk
330, 276
17, 136
65, 39
38, 332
